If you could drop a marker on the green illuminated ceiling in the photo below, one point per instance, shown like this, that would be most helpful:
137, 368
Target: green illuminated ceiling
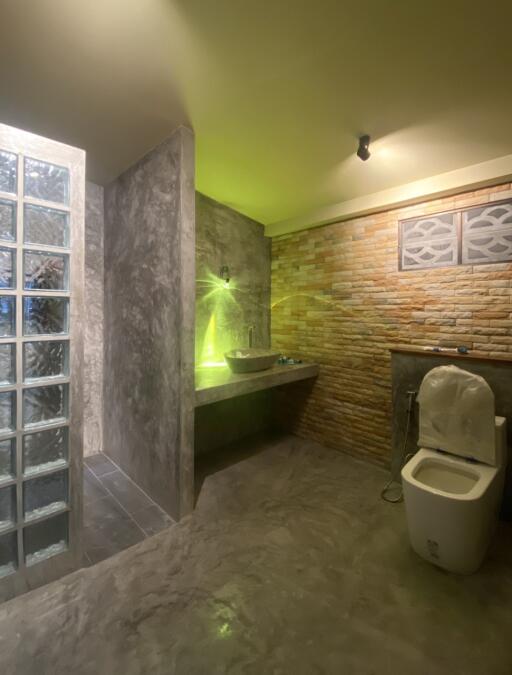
279, 91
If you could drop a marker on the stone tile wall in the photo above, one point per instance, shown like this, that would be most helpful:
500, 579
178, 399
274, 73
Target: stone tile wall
339, 299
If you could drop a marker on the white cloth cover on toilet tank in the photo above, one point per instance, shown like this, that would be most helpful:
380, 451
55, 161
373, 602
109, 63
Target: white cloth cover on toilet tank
457, 414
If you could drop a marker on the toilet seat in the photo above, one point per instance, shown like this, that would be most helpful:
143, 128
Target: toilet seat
448, 476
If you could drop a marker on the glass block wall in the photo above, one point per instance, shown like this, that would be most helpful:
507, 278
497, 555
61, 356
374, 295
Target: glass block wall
35, 272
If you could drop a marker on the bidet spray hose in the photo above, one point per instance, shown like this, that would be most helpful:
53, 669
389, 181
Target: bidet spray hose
395, 500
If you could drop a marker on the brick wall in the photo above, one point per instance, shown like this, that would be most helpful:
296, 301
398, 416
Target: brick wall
338, 299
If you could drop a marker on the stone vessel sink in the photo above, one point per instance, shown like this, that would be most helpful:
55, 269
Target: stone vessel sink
250, 360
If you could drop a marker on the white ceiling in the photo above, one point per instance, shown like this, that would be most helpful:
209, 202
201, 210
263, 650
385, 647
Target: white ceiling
277, 91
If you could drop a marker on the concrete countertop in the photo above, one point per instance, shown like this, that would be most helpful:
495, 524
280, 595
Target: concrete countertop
219, 383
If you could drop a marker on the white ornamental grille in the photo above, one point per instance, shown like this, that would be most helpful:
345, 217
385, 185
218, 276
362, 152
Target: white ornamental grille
487, 234
429, 242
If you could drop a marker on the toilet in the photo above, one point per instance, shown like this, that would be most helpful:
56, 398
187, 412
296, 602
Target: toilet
453, 485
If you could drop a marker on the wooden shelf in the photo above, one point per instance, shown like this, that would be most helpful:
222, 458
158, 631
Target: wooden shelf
472, 356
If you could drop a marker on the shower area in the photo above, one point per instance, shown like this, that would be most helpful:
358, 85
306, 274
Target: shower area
96, 354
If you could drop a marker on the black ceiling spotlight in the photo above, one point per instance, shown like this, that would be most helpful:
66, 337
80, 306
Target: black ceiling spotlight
363, 151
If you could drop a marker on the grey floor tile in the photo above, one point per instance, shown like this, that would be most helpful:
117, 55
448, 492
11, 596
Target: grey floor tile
104, 543
108, 529
87, 562
103, 512
93, 489
100, 464
126, 492
110, 498
152, 519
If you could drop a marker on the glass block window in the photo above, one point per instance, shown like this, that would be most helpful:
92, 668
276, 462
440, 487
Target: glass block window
45, 495
48, 227
7, 411
7, 220
46, 181
35, 262
44, 271
7, 507
42, 360
7, 460
481, 234
45, 450
45, 316
7, 363
43, 405
7, 314
8, 554
7, 267
8, 171
46, 539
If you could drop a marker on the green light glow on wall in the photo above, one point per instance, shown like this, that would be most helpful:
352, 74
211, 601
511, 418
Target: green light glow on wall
218, 310
225, 630
224, 619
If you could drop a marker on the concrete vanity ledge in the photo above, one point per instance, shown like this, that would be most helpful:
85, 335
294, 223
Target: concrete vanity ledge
219, 383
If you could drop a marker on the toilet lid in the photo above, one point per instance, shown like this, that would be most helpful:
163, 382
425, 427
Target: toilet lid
457, 414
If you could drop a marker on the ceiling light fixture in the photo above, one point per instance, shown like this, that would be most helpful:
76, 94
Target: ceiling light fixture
363, 151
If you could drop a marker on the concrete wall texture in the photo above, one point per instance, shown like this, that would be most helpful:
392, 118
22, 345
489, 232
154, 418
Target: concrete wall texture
149, 322
93, 343
224, 316
339, 299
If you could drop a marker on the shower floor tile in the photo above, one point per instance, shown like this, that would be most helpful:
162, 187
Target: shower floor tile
93, 489
126, 492
117, 513
100, 464
152, 519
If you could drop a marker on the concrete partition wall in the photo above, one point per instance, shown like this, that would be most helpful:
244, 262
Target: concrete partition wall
93, 315
149, 322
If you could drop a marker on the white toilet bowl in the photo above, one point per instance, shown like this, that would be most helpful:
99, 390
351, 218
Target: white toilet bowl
452, 501
452, 506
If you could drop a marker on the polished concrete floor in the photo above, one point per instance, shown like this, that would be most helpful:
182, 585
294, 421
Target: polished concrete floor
290, 565
117, 513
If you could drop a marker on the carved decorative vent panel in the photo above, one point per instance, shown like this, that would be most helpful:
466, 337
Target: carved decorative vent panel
487, 234
480, 234
429, 242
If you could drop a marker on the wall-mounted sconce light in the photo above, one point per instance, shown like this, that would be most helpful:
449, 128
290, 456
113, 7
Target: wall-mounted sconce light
363, 151
225, 275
